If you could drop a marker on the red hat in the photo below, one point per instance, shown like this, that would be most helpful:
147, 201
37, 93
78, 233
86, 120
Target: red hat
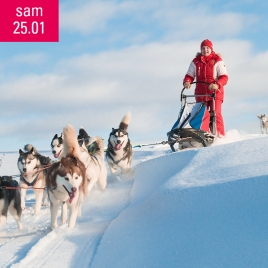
207, 43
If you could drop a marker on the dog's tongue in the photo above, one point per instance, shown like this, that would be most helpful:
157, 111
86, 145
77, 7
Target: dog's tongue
117, 146
72, 196
57, 155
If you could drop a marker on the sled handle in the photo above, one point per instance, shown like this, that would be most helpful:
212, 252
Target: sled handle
201, 95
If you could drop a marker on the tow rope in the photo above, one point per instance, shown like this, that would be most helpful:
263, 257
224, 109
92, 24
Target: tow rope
150, 144
19, 187
40, 169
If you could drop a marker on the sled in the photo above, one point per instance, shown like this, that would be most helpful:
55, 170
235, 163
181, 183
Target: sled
195, 126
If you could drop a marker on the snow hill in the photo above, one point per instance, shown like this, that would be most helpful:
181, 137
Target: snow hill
203, 207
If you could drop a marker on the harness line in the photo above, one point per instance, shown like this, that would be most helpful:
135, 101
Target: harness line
149, 144
19, 175
19, 187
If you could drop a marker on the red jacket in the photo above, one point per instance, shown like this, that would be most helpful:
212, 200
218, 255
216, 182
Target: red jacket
209, 69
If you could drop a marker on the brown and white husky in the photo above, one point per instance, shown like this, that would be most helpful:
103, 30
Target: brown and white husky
66, 181
95, 166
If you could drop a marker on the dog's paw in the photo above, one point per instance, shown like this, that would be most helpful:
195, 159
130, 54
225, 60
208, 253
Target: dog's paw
129, 174
53, 226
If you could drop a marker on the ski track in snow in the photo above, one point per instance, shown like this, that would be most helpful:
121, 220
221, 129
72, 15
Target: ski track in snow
38, 246
41, 244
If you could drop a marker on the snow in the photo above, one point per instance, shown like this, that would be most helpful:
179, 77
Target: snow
204, 207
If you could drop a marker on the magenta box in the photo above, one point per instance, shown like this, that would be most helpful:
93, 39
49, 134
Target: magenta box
29, 20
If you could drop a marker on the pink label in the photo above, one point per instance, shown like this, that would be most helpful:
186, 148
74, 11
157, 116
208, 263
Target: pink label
29, 20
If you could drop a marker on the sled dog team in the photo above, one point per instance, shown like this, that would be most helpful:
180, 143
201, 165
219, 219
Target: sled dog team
80, 165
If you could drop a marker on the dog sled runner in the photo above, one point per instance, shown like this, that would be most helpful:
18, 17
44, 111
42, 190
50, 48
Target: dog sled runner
195, 126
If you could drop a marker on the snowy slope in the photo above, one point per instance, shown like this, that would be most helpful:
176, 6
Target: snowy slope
196, 208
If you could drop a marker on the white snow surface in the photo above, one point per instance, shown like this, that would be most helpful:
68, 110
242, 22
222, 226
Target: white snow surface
204, 207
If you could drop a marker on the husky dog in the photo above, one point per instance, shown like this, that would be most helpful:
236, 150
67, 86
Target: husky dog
57, 146
32, 167
264, 123
66, 182
9, 200
119, 151
95, 166
84, 140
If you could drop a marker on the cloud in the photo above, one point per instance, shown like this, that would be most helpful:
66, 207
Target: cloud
95, 91
28, 58
139, 21
88, 17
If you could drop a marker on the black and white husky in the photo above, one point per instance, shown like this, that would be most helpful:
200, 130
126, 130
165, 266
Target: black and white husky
57, 146
264, 123
33, 170
119, 151
10, 200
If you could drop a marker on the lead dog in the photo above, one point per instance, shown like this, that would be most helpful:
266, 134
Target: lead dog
95, 166
33, 170
264, 123
119, 152
10, 200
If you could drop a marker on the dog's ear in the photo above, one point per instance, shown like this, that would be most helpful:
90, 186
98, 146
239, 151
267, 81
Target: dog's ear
60, 139
83, 133
63, 161
55, 137
21, 152
32, 151
80, 140
74, 160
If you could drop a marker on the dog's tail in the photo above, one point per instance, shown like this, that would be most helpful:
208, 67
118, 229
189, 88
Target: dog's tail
44, 160
70, 143
29, 147
98, 147
125, 122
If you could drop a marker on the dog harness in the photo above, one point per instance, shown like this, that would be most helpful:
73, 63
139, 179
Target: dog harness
30, 183
118, 161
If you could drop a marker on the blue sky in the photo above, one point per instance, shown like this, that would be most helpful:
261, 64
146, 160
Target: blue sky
116, 56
